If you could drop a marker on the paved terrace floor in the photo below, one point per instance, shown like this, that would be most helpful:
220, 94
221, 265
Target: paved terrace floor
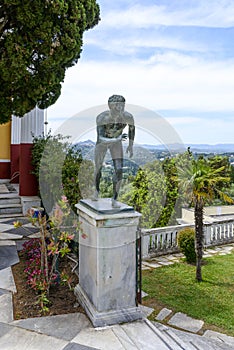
75, 332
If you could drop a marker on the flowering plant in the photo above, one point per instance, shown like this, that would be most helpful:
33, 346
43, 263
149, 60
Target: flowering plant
42, 254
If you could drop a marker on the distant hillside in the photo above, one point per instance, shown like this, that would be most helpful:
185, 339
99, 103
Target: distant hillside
147, 153
200, 148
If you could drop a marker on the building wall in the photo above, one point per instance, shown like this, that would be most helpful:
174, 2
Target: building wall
5, 153
16, 138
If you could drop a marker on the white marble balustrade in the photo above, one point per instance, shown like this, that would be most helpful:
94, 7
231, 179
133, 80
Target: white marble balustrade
163, 240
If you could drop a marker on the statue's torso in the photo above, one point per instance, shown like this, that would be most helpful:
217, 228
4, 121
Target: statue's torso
111, 127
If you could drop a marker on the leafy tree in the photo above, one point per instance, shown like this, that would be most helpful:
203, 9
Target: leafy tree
168, 215
138, 191
60, 170
201, 183
39, 40
147, 193
217, 162
70, 179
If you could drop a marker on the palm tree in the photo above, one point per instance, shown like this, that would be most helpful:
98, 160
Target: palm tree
201, 183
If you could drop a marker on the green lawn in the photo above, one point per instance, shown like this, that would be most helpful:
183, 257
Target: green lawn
212, 300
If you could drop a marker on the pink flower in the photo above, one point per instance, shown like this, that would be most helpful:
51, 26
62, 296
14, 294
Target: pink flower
64, 199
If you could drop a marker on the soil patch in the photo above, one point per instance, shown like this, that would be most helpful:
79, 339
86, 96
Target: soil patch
62, 298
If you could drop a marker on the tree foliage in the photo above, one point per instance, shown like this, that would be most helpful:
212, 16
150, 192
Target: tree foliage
56, 165
39, 40
201, 181
148, 193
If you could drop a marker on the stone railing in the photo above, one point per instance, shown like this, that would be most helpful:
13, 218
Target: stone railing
219, 232
163, 240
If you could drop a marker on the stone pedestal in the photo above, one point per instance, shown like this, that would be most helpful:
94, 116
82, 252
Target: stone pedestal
107, 262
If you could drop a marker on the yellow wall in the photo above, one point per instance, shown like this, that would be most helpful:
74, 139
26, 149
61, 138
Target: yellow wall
5, 140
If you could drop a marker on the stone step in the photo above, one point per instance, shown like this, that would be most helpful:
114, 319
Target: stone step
10, 200
10, 209
193, 341
14, 215
140, 335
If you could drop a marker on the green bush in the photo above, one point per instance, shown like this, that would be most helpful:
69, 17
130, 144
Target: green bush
186, 243
57, 165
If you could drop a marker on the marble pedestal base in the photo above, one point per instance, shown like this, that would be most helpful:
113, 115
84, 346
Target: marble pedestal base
106, 318
107, 262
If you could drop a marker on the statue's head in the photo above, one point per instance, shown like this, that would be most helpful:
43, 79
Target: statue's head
116, 98
116, 102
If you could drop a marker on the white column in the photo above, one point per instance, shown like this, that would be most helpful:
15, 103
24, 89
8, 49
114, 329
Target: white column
32, 124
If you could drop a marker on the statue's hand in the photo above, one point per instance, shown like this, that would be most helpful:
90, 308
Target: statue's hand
124, 137
130, 151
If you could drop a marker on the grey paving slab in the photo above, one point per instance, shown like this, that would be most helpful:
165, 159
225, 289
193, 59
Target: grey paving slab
166, 263
103, 339
2, 291
61, 326
152, 265
211, 251
179, 255
7, 280
74, 346
22, 231
21, 339
9, 236
161, 259
206, 255
219, 336
124, 338
225, 247
200, 342
147, 311
4, 329
8, 256
185, 322
163, 314
148, 338
7, 243
5, 227
6, 308
144, 294
171, 257
23, 221
35, 235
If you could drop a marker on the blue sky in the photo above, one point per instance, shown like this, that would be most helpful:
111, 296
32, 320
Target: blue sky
174, 57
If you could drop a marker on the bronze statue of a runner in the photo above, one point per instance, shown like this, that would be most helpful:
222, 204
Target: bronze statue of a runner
110, 126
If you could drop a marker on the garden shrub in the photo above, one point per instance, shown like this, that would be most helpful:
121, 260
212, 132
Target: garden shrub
56, 165
186, 243
43, 254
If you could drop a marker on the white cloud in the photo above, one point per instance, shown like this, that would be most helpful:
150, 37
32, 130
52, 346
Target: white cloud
210, 130
205, 14
183, 120
176, 83
146, 62
122, 44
